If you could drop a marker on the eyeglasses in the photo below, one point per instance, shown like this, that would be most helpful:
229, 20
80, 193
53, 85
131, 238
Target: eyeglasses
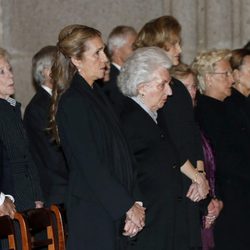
226, 73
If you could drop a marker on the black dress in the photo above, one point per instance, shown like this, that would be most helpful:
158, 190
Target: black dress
100, 168
158, 178
19, 176
177, 119
231, 151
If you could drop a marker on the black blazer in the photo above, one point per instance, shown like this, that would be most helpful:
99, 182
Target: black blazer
158, 177
47, 155
100, 166
19, 176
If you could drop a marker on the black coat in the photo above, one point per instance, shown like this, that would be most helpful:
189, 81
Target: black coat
19, 176
100, 167
158, 179
177, 119
46, 154
231, 150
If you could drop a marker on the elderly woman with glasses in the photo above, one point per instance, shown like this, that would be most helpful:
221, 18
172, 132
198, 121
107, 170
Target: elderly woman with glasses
231, 149
145, 81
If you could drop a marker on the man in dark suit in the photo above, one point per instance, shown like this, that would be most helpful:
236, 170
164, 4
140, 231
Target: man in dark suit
119, 44
47, 155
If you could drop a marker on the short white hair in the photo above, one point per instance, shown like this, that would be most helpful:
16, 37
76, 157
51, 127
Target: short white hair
118, 37
140, 67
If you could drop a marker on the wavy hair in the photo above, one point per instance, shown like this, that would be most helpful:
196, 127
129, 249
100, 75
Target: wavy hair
140, 67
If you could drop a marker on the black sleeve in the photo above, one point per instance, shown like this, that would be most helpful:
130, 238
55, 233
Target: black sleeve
177, 118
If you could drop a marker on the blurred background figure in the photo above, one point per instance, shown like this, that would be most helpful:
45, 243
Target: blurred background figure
100, 164
47, 155
239, 101
231, 148
187, 76
176, 118
119, 48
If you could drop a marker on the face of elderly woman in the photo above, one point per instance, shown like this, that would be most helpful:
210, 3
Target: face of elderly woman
92, 66
155, 93
6, 79
221, 80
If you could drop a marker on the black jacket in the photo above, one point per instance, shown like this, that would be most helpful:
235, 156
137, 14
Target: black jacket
19, 176
47, 155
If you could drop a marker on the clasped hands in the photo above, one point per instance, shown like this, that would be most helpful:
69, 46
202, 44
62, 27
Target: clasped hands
135, 220
198, 190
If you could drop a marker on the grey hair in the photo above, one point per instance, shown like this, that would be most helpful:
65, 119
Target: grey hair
140, 67
118, 37
43, 59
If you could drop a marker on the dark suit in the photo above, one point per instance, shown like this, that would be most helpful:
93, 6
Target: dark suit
112, 91
158, 179
46, 154
19, 176
231, 146
177, 119
100, 166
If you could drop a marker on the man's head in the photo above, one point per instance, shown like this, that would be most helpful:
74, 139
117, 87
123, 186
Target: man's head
120, 43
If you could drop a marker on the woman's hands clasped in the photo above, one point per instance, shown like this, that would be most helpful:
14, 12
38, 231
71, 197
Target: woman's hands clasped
135, 220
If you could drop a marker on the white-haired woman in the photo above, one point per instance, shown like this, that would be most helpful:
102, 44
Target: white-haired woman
144, 80
232, 161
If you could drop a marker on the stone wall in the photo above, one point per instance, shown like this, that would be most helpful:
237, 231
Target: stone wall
28, 25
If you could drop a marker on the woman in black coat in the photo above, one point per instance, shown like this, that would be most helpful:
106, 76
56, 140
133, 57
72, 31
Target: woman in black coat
177, 119
100, 165
231, 149
145, 80
18, 177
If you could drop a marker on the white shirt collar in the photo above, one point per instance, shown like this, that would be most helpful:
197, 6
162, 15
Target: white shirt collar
47, 89
152, 114
117, 66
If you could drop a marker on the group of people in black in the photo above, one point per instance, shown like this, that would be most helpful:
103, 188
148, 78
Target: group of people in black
118, 134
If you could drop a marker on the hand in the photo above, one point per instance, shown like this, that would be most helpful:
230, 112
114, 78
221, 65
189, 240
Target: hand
39, 204
193, 193
8, 208
203, 186
214, 208
137, 215
130, 229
